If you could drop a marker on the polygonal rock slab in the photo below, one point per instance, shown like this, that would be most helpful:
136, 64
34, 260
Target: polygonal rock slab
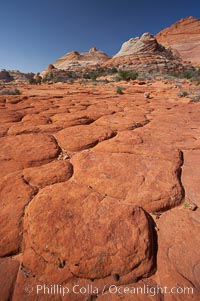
71, 119
48, 174
149, 182
191, 176
178, 252
8, 272
15, 194
94, 236
82, 137
19, 152
26, 128
10, 116
123, 121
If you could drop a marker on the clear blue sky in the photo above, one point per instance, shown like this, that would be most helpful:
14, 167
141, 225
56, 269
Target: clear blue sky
36, 33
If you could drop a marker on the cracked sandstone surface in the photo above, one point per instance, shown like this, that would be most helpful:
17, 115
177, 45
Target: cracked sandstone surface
92, 186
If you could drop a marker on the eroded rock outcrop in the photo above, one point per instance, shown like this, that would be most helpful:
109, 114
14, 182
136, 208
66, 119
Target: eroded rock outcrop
145, 54
184, 39
15, 75
146, 43
74, 59
5, 76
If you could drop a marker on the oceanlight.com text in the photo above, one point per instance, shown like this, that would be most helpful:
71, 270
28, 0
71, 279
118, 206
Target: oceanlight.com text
63, 290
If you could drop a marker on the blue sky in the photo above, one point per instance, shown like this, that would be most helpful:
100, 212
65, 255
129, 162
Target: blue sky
36, 33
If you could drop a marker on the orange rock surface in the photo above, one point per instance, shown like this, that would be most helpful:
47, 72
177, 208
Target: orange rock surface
184, 38
96, 190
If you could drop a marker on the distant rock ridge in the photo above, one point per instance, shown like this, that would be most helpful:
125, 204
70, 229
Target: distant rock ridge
171, 50
74, 59
5, 76
141, 54
183, 37
14, 75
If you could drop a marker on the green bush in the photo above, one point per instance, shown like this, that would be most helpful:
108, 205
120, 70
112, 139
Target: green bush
119, 90
126, 75
98, 72
190, 74
195, 98
112, 70
10, 92
48, 77
32, 81
182, 93
90, 75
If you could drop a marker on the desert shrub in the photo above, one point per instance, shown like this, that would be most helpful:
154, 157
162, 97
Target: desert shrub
186, 74
61, 76
59, 79
190, 74
71, 74
100, 71
182, 93
126, 75
48, 77
119, 90
195, 98
106, 81
71, 80
32, 81
90, 75
112, 70
10, 92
